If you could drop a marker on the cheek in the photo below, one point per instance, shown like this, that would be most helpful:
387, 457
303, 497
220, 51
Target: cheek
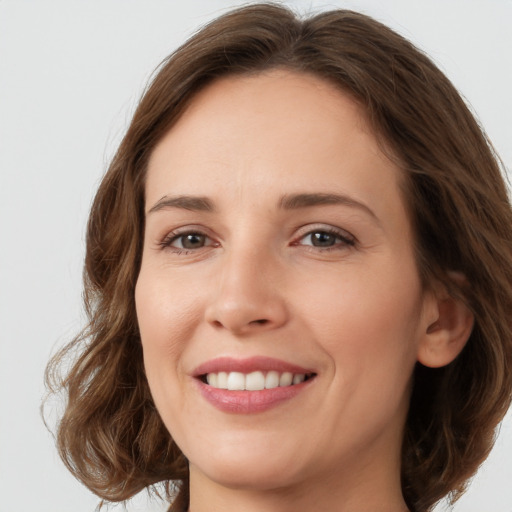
163, 309
165, 321
369, 318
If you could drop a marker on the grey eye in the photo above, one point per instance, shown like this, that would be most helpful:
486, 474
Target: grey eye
326, 239
190, 241
322, 239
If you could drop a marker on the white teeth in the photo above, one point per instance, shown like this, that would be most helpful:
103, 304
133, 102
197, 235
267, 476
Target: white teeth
286, 379
298, 378
212, 379
222, 380
254, 381
272, 380
236, 381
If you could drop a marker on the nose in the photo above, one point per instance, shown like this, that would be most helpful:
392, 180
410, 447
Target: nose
248, 296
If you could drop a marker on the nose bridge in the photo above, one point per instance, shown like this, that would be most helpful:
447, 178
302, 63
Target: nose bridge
247, 296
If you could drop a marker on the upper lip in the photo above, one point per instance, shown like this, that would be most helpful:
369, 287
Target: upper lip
247, 365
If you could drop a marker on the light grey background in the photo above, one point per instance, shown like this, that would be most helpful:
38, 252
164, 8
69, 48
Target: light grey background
70, 75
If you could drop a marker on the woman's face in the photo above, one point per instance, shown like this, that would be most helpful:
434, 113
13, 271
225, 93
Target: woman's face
277, 248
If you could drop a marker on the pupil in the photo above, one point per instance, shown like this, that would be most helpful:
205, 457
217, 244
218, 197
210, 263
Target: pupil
193, 241
323, 239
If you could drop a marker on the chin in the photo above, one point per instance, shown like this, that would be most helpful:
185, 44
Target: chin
248, 477
256, 467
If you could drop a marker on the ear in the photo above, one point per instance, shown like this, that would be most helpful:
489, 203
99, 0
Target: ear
449, 324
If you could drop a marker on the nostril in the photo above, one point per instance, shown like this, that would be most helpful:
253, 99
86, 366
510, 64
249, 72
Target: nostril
260, 322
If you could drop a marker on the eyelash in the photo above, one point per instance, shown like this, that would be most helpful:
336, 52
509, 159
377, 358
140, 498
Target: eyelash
344, 240
172, 237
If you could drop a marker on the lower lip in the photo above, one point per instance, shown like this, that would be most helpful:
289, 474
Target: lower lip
248, 402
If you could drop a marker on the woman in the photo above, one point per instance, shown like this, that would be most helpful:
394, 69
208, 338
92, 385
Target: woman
298, 276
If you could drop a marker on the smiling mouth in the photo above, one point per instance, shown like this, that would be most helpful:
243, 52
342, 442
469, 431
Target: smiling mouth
254, 381
251, 385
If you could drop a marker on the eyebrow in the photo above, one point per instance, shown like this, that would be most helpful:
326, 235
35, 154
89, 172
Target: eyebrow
286, 202
296, 201
193, 203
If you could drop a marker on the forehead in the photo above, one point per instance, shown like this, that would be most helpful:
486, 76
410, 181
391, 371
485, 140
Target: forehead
281, 104
273, 130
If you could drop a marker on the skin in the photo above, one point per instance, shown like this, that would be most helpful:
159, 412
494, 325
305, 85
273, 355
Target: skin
256, 285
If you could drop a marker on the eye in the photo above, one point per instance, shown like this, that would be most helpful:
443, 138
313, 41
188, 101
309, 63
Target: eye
190, 241
186, 241
326, 239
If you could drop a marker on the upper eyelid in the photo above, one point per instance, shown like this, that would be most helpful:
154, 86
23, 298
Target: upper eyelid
188, 229
175, 235
329, 228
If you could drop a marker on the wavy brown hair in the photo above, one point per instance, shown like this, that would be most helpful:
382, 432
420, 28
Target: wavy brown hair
111, 436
